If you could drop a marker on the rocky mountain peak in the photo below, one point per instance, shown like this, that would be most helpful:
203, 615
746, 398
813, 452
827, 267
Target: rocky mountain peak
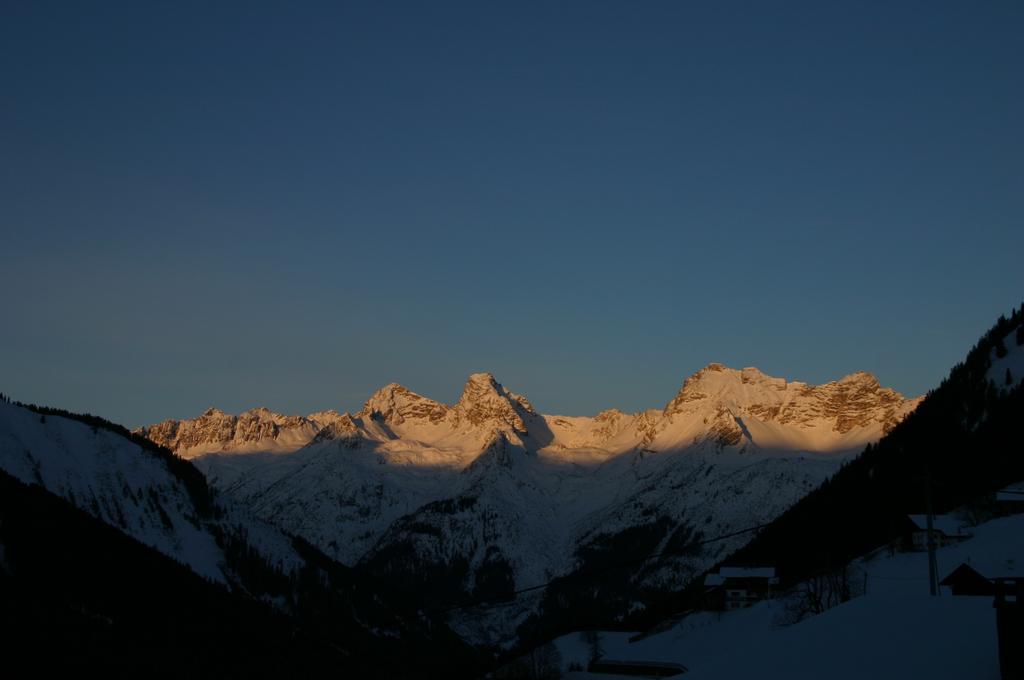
341, 427
708, 382
218, 430
485, 401
721, 393
609, 414
859, 378
480, 384
395, 404
859, 398
730, 406
328, 416
214, 412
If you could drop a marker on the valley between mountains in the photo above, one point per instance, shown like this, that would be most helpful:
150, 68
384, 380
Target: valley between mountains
463, 504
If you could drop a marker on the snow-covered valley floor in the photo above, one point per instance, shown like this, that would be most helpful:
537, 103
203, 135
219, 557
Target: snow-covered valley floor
895, 630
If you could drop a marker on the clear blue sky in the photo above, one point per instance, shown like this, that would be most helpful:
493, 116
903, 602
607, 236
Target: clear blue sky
291, 204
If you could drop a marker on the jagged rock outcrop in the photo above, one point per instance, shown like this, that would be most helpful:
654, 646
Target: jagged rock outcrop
725, 398
395, 404
216, 430
341, 427
487, 403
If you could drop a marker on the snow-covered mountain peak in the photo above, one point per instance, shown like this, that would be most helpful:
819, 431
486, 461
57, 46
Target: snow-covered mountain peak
487, 403
394, 404
481, 386
483, 378
328, 416
729, 400
608, 414
341, 427
725, 406
859, 378
718, 382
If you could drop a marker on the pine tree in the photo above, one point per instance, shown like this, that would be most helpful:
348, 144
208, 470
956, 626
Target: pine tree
1009, 377
592, 639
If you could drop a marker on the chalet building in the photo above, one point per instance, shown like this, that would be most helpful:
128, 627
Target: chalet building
736, 587
966, 579
946, 530
1011, 499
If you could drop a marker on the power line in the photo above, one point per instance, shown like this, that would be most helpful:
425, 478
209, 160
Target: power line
505, 601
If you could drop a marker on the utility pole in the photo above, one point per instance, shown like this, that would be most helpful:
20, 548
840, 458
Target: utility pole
933, 565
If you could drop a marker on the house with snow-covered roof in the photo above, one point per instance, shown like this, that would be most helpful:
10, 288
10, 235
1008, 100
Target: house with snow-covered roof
966, 579
1010, 499
736, 587
946, 530
978, 577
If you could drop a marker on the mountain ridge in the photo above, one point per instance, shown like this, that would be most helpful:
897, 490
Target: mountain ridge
485, 405
487, 495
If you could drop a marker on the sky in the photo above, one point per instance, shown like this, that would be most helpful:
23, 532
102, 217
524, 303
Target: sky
292, 204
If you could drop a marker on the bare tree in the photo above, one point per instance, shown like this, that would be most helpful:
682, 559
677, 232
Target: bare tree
823, 591
540, 663
978, 511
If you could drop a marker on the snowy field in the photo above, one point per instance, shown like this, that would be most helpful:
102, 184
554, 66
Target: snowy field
893, 631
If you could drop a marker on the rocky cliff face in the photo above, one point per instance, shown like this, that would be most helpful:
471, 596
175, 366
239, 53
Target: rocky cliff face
728, 401
851, 402
394, 405
216, 430
486, 404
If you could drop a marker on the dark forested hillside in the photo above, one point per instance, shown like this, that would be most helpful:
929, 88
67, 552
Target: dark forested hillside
964, 441
80, 593
965, 438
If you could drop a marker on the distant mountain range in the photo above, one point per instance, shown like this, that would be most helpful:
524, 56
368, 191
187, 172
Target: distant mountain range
382, 542
459, 503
